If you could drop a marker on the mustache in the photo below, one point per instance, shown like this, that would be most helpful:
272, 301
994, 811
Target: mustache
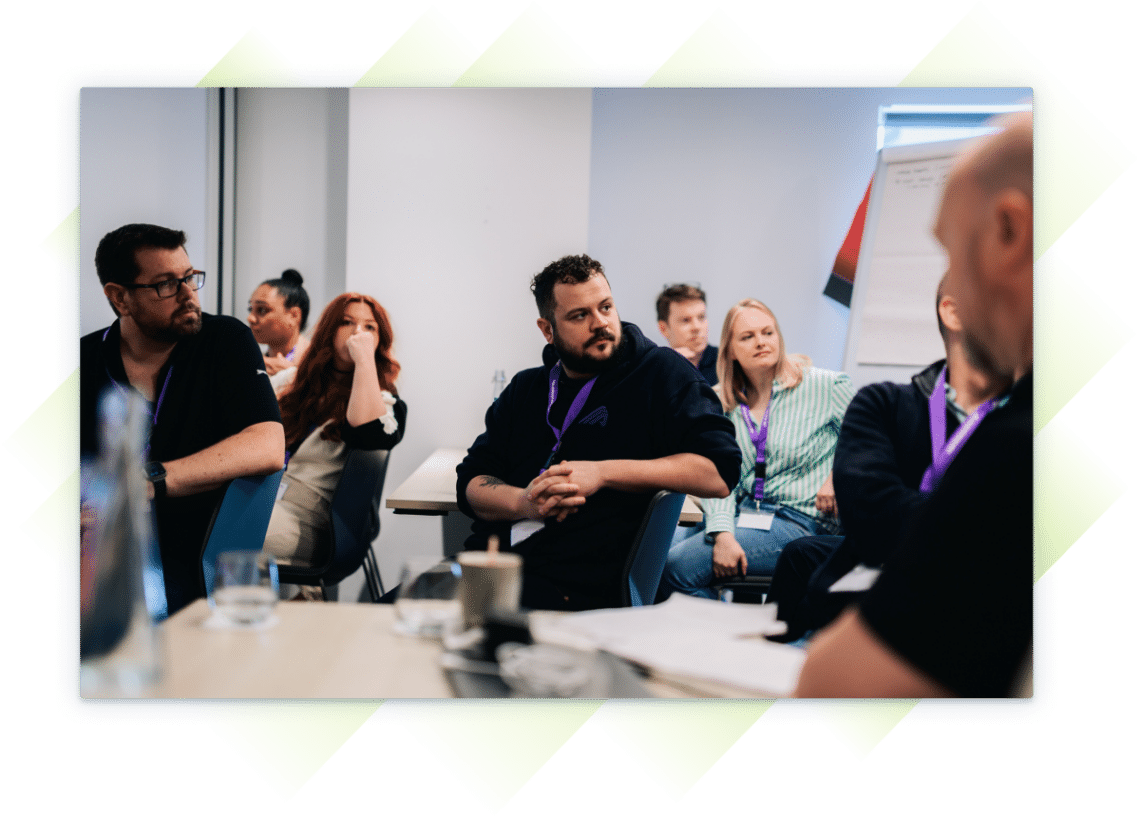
602, 335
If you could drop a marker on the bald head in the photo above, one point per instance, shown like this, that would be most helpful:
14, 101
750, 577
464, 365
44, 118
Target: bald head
986, 225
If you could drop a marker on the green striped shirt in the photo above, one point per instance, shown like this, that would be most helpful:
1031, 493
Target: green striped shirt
803, 426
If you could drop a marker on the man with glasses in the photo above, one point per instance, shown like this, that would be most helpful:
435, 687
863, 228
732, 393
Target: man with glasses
213, 413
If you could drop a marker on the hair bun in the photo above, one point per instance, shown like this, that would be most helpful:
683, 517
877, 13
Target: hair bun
292, 276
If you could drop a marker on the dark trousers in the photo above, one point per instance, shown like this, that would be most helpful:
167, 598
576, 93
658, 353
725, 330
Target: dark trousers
806, 569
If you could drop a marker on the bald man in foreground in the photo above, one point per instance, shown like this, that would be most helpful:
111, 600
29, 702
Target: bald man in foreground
952, 613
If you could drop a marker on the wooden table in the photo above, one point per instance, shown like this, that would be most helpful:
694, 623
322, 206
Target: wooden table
316, 650
319, 650
431, 489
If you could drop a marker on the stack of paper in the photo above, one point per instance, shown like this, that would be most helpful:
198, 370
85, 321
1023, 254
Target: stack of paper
688, 638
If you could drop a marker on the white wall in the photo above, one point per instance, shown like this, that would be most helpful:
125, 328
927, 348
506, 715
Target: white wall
142, 158
456, 198
290, 191
748, 191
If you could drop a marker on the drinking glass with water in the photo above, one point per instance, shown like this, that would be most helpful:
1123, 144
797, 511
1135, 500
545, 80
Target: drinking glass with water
245, 587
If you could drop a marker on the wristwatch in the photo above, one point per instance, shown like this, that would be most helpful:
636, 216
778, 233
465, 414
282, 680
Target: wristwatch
156, 474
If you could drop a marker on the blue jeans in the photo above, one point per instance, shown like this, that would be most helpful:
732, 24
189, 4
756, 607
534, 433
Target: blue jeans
689, 568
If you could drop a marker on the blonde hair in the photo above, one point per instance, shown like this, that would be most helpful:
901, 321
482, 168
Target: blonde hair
733, 386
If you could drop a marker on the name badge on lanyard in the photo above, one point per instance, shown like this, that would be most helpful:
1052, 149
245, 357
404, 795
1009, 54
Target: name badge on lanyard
754, 518
571, 413
945, 451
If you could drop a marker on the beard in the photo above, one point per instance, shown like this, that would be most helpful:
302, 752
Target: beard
585, 364
183, 324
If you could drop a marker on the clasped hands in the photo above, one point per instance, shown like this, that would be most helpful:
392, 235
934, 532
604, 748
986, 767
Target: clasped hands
562, 489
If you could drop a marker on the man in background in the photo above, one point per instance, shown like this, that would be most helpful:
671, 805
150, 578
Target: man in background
575, 449
952, 612
213, 413
682, 319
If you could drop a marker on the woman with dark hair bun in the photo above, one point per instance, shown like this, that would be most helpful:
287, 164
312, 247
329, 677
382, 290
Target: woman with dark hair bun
343, 397
278, 314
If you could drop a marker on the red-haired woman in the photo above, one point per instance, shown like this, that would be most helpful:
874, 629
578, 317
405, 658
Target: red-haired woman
343, 397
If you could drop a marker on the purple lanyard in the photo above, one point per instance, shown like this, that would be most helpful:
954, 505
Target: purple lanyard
157, 406
943, 451
760, 441
571, 413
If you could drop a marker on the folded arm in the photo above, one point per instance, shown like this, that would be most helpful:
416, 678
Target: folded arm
685, 472
551, 494
255, 450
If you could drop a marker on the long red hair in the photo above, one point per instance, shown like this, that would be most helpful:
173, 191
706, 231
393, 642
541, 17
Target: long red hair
320, 392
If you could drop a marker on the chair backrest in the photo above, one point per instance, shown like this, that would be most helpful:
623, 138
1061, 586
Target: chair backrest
240, 520
646, 562
355, 513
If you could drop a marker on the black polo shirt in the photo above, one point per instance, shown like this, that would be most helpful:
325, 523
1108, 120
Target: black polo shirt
213, 386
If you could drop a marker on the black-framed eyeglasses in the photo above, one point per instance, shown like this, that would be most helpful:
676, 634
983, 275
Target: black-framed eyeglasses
169, 288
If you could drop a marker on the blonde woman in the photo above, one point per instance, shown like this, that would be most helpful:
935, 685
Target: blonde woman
787, 415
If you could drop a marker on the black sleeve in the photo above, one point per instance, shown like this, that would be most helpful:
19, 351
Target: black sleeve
487, 453
371, 435
876, 495
242, 380
696, 423
956, 599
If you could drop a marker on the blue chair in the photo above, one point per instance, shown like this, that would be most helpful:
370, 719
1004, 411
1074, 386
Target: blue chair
650, 549
240, 520
355, 512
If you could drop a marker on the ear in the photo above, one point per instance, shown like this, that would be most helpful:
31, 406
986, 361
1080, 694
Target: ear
948, 312
546, 329
662, 327
295, 314
117, 295
1013, 239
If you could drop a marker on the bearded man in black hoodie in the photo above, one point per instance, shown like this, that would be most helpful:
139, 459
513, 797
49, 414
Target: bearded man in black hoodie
574, 449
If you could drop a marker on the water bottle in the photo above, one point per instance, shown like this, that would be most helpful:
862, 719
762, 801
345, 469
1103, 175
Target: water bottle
119, 647
498, 383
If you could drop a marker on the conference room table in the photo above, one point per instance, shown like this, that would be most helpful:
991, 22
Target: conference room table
430, 489
319, 650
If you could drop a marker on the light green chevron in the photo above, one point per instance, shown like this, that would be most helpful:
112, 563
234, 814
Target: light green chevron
1072, 488
682, 740
54, 526
532, 52
861, 725
1082, 158
718, 54
47, 442
293, 739
62, 244
432, 53
500, 744
251, 62
1073, 359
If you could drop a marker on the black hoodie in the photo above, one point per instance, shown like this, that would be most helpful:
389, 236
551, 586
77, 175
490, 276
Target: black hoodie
651, 403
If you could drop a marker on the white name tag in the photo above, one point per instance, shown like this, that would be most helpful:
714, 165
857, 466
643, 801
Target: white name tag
281, 488
755, 519
520, 531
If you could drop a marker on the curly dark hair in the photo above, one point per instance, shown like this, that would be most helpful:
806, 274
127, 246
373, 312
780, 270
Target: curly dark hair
677, 294
289, 287
567, 270
319, 392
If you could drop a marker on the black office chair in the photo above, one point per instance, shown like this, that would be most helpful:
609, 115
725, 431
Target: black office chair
753, 588
646, 562
355, 513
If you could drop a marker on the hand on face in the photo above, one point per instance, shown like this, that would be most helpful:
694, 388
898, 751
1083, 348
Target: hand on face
362, 345
276, 363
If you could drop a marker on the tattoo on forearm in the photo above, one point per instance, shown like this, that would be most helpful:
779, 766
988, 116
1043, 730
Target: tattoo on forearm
492, 481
